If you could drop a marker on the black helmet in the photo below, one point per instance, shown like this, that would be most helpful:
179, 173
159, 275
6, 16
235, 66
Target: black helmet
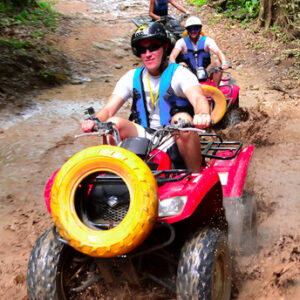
151, 30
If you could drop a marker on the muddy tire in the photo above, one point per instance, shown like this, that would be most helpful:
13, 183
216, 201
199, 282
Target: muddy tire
241, 215
232, 117
44, 267
204, 270
219, 102
56, 270
139, 219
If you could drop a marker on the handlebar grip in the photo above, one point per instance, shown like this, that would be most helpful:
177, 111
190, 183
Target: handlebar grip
96, 127
188, 124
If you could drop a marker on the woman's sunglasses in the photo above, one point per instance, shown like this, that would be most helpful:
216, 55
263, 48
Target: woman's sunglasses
151, 48
194, 28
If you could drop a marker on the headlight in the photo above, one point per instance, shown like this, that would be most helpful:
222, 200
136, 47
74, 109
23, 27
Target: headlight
171, 206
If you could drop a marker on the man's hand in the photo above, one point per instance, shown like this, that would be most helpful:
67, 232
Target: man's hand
87, 125
202, 120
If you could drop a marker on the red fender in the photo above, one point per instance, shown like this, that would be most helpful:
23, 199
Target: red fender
232, 172
195, 187
47, 191
230, 92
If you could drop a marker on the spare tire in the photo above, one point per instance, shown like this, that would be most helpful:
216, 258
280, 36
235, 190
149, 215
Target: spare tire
139, 219
219, 102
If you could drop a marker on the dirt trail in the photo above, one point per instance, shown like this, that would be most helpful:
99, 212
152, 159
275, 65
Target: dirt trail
96, 36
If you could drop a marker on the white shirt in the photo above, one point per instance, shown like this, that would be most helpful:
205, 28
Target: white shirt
209, 45
181, 81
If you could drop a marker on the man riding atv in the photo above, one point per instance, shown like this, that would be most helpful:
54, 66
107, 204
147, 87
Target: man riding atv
159, 8
195, 50
162, 93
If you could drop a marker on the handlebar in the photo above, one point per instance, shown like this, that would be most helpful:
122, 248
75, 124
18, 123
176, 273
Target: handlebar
108, 128
164, 19
217, 69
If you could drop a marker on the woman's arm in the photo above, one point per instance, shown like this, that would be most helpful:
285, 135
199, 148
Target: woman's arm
175, 52
178, 6
151, 11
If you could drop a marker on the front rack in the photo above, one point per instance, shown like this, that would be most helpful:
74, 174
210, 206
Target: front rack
163, 176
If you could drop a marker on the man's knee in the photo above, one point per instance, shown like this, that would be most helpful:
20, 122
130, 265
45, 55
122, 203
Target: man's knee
181, 117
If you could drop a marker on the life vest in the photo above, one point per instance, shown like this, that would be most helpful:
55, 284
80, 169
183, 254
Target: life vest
199, 55
161, 7
168, 101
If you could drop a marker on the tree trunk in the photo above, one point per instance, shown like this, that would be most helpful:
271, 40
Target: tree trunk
265, 17
282, 14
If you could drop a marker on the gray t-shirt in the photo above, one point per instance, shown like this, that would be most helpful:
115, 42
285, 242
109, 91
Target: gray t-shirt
181, 81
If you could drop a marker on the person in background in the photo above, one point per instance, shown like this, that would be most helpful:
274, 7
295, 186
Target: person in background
159, 8
194, 50
162, 93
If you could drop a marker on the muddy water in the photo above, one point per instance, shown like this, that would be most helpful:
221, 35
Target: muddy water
38, 140
29, 132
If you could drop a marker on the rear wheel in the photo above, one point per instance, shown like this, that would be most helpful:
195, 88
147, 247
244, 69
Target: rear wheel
55, 270
204, 270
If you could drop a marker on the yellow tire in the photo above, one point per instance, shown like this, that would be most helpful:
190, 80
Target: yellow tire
219, 102
139, 219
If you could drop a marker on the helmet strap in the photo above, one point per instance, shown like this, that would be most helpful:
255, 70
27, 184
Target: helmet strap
163, 60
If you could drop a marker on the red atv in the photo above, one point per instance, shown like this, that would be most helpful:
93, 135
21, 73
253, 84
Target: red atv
128, 213
224, 98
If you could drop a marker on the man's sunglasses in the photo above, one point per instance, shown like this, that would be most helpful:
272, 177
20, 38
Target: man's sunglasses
151, 48
194, 28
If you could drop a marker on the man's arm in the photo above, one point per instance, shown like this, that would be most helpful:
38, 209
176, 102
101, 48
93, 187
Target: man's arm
201, 106
151, 11
113, 104
178, 6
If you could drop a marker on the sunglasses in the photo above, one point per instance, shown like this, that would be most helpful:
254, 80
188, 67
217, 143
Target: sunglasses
194, 28
151, 48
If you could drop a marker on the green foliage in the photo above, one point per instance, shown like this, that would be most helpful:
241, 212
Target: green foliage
234, 9
36, 13
214, 18
13, 43
197, 2
240, 9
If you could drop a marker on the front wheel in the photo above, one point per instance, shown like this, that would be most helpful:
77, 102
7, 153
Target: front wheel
204, 269
55, 270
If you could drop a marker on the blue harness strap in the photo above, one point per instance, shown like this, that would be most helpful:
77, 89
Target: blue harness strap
199, 55
141, 116
167, 99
